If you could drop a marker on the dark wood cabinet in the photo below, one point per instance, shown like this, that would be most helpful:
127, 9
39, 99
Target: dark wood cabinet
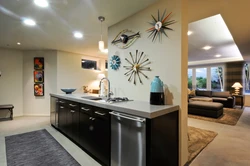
85, 127
73, 120
95, 132
101, 134
62, 115
68, 119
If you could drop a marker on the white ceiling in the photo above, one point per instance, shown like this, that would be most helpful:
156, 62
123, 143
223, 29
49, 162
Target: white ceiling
235, 13
213, 32
55, 25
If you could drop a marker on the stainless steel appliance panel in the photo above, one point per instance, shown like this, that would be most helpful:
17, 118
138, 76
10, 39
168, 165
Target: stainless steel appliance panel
128, 140
54, 111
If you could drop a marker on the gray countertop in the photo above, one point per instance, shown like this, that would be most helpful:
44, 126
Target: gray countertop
138, 108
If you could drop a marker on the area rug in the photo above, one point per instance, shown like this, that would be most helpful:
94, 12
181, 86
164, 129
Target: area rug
198, 139
36, 148
230, 116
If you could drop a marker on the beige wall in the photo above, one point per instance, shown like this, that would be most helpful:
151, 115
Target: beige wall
62, 70
34, 105
71, 75
169, 60
11, 81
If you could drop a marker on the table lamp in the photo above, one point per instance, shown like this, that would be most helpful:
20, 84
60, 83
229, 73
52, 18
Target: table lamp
237, 87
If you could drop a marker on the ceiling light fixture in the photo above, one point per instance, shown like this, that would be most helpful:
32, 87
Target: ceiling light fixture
218, 55
207, 47
41, 3
78, 35
189, 33
18, 43
101, 42
29, 22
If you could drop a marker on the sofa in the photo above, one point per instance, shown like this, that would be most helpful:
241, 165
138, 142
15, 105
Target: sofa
221, 97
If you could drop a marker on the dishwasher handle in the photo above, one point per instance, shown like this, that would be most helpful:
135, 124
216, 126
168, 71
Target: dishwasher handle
134, 118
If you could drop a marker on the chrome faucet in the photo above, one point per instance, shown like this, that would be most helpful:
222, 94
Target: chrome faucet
109, 92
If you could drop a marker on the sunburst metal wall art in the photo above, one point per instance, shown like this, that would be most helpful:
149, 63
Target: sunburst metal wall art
138, 64
125, 38
115, 62
159, 26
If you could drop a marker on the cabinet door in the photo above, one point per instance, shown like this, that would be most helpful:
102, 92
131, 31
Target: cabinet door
86, 127
73, 121
101, 134
62, 115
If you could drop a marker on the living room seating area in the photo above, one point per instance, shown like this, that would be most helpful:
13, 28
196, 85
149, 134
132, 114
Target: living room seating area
209, 103
213, 96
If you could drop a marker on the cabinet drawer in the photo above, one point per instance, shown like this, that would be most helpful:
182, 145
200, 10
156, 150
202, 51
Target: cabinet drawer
87, 109
62, 102
73, 105
101, 113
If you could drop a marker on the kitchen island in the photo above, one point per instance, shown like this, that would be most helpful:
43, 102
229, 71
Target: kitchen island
120, 133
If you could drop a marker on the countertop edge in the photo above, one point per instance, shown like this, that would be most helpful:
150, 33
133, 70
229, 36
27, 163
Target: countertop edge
121, 107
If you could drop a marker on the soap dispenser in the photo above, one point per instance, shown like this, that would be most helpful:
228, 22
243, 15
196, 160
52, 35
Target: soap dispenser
157, 92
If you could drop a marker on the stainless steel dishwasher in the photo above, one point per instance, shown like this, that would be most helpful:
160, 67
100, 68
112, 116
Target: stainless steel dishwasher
128, 140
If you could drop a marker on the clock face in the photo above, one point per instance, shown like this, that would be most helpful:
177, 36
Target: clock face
125, 38
158, 25
138, 64
115, 62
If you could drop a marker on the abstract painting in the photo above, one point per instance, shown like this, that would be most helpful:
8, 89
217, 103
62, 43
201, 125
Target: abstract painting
39, 89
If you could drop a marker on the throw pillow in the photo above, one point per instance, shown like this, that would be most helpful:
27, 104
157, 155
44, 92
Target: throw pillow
192, 93
189, 91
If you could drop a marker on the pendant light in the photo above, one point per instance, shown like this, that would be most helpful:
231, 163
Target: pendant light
101, 42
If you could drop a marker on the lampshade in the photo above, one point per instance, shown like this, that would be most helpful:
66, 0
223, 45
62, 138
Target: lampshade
101, 45
101, 42
237, 85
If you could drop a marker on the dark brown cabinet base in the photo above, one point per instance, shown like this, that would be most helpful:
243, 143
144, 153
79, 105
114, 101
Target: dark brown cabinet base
90, 128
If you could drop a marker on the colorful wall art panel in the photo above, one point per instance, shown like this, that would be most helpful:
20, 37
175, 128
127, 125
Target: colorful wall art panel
39, 89
38, 63
38, 76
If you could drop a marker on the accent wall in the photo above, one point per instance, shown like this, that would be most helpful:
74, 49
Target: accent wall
168, 60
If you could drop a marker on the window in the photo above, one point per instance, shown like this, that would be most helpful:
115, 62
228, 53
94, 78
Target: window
106, 64
217, 78
206, 78
201, 78
247, 77
190, 78
89, 64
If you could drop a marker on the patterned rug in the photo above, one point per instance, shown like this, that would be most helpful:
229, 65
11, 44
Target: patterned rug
198, 139
36, 148
230, 116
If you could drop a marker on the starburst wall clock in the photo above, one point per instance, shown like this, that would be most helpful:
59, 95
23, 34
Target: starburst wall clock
115, 62
138, 64
160, 25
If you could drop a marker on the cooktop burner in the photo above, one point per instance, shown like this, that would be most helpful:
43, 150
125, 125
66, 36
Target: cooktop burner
115, 99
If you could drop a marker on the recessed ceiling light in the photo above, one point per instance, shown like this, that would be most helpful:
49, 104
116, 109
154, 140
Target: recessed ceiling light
78, 35
29, 22
207, 47
41, 3
189, 33
218, 55
18, 43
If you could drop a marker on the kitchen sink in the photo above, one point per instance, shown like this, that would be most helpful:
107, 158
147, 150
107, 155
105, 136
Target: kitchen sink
110, 100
